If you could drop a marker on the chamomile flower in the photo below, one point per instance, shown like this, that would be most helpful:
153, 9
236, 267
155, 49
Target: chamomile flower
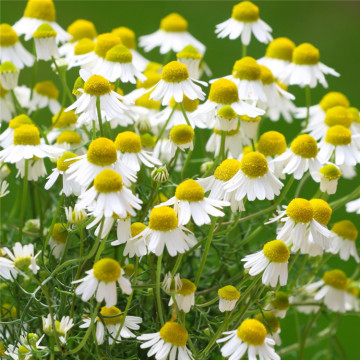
353, 206
254, 179
181, 137
353, 114
353, 297
249, 126
172, 35
272, 324
169, 341
9, 75
328, 176
226, 119
228, 297
36, 168
279, 305
81, 56
62, 327
45, 95
191, 57
272, 261
7, 108
7, 137
12, 49
70, 140
58, 239
30, 341
250, 337
244, 21
185, 295
306, 69
111, 319
190, 202
19, 260
101, 281
171, 283
4, 188
343, 240
176, 83
75, 216
45, 43
278, 55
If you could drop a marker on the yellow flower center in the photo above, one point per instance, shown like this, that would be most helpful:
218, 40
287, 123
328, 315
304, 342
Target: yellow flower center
334, 98
189, 52
174, 334
346, 229
337, 115
126, 35
228, 133
189, 190
189, 105
44, 31
175, 72
84, 46
276, 251
62, 164
306, 54
163, 218
336, 278
59, 233
107, 270
22, 350
8, 36
227, 169
272, 143
102, 152
281, 48
227, 112
104, 43
181, 134
111, 315
128, 142
137, 228
223, 91
152, 78
187, 287
354, 291
305, 146
148, 103
154, 67
245, 11
281, 301
252, 331
353, 114
70, 137
8, 67
267, 77
65, 119
78, 84
81, 29
40, 9
173, 23
229, 293
148, 140
97, 85
26, 135
270, 321
254, 165
247, 69
330, 172
300, 210
47, 88
249, 119
119, 53
322, 211
19, 120
108, 181
22, 263
129, 269
338, 135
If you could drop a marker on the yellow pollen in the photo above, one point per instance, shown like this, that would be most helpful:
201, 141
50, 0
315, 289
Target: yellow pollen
8, 67
338, 135
250, 119
19, 120
353, 114
154, 67
163, 218
187, 287
189, 190
189, 105
8, 35
330, 172
175, 72
276, 251
174, 334
267, 77
104, 43
247, 69
189, 52
128, 142
227, 112
346, 229
107, 270
26, 135
306, 54
22, 350
111, 315
84, 46
227, 169
322, 211
40, 9
254, 165
334, 98
270, 321
148, 140
305, 146
97, 85
336, 278
129, 269
70, 137
353, 289
126, 35
337, 115
119, 53
229, 293
272, 143
173, 23
281, 301
44, 31
245, 11
181, 134
62, 164
252, 331
81, 29
137, 228
148, 103
65, 119
300, 210
102, 152
78, 84
47, 88
59, 233
108, 181
223, 91
152, 78
22, 263
281, 48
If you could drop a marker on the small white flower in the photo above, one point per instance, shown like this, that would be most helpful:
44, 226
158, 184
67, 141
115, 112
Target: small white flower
45, 42
184, 296
228, 298
45, 95
4, 188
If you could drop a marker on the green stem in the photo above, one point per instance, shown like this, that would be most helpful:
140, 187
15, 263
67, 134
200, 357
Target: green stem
184, 113
98, 110
177, 264
23, 200
158, 289
93, 130
62, 78
187, 161
244, 50
166, 123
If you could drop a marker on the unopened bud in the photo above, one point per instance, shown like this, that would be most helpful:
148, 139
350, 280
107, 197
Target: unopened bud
160, 174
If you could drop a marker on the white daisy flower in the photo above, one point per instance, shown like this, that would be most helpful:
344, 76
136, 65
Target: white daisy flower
250, 337
279, 305
61, 121
101, 281
185, 296
171, 283
9, 75
82, 55
75, 216
244, 21
249, 126
111, 319
45, 43
226, 119
36, 168
191, 57
172, 35
4, 188
62, 327
170, 342
181, 137
228, 298
70, 140
45, 95
58, 239
272, 324
30, 343
7, 137
328, 176
11, 48
306, 69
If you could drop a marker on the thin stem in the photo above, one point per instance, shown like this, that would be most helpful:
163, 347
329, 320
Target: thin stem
187, 161
184, 113
61, 75
166, 123
158, 289
222, 146
93, 130
244, 50
23, 200
177, 264
98, 110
